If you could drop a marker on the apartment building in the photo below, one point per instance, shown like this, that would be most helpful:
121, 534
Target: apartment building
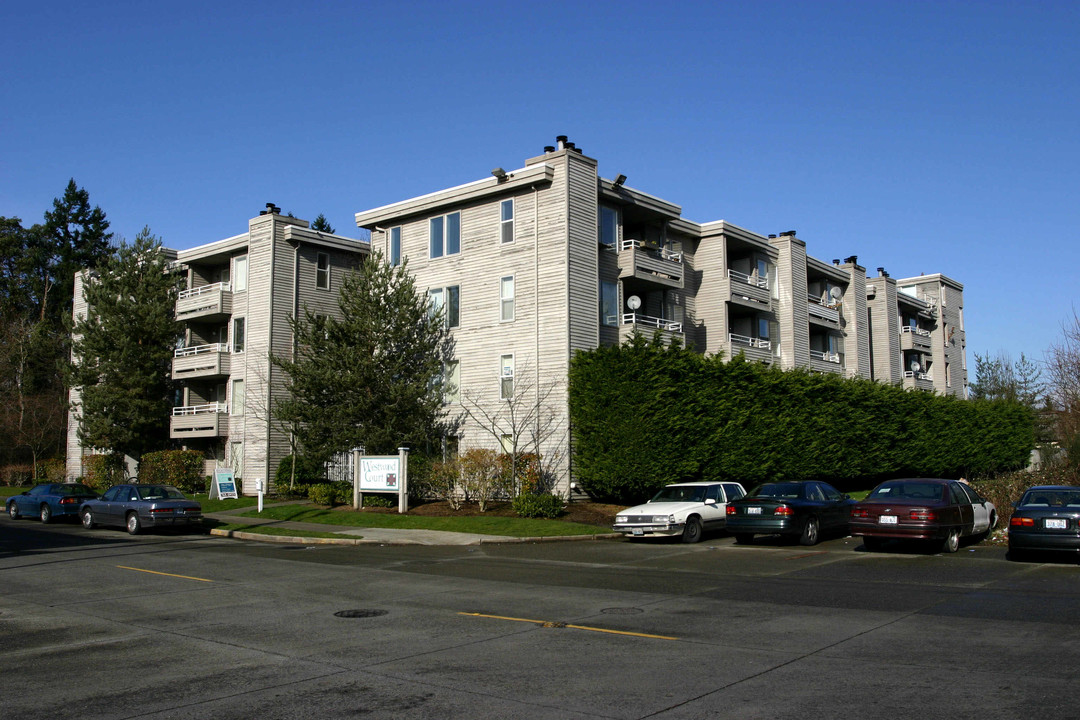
535, 263
234, 311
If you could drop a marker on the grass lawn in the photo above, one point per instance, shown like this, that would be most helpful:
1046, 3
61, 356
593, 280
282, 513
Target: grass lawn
490, 525
210, 506
6, 492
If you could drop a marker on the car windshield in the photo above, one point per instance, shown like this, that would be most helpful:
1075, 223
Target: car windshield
1051, 498
160, 492
787, 491
681, 493
907, 491
74, 489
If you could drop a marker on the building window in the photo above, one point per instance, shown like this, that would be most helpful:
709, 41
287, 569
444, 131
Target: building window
447, 299
506, 299
452, 381
236, 458
506, 377
444, 235
609, 304
240, 274
395, 246
609, 226
322, 272
236, 404
238, 335
506, 225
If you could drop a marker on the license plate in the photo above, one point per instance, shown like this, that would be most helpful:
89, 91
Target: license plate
1056, 523
887, 520
180, 511
637, 531
753, 511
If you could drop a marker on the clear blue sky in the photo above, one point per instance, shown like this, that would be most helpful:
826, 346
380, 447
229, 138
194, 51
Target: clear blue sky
921, 136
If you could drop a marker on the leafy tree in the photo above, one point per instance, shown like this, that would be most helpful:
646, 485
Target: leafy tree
322, 224
368, 379
123, 348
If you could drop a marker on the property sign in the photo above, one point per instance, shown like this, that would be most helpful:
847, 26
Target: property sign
380, 474
223, 485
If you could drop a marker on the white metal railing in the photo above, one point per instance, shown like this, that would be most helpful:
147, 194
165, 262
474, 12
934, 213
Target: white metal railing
750, 341
917, 375
195, 292
636, 319
214, 407
761, 282
825, 355
915, 330
200, 349
662, 253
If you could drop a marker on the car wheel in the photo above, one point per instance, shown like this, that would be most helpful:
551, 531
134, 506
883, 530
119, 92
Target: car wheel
692, 530
46, 513
809, 534
871, 544
134, 525
744, 538
87, 519
951, 543
13, 510
1016, 555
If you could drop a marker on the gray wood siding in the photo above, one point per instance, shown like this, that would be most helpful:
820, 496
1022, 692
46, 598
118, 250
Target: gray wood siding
583, 283
710, 303
791, 307
856, 326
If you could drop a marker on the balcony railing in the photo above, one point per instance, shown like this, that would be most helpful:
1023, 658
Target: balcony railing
755, 280
914, 330
662, 253
825, 355
200, 349
823, 311
203, 289
214, 407
648, 321
910, 375
748, 341
205, 302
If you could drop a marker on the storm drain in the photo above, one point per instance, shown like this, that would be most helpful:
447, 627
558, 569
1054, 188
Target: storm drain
359, 613
622, 611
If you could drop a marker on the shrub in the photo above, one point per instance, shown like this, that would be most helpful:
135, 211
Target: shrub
53, 470
101, 472
442, 482
544, 505
379, 501
322, 493
482, 476
308, 470
17, 475
181, 468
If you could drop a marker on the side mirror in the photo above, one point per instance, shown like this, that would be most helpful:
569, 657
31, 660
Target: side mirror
710, 501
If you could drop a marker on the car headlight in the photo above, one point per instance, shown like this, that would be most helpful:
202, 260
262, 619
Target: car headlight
663, 518
620, 519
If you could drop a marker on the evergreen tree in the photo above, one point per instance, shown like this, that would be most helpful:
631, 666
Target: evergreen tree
123, 348
370, 379
322, 224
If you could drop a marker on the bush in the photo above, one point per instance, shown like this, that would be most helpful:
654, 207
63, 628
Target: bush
53, 470
14, 475
180, 468
101, 472
322, 493
482, 476
544, 505
379, 501
309, 470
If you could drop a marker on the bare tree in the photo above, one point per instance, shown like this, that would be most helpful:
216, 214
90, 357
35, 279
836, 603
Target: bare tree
1063, 370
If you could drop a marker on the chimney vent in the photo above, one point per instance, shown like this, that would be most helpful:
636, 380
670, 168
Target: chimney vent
549, 148
854, 260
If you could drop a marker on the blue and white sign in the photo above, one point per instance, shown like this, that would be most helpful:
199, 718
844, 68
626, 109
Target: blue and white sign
223, 485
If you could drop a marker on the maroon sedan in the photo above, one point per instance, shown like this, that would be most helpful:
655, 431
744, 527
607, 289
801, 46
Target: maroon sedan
938, 510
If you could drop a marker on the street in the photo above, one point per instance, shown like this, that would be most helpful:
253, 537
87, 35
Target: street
99, 624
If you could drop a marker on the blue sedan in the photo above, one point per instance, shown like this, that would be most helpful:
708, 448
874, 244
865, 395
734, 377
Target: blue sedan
137, 506
50, 500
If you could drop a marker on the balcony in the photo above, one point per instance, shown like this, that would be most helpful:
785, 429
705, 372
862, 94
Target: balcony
659, 266
199, 421
918, 381
914, 338
752, 348
825, 361
647, 326
821, 311
208, 302
750, 290
202, 361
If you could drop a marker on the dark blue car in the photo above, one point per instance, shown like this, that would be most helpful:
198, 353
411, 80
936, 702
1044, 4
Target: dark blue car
50, 500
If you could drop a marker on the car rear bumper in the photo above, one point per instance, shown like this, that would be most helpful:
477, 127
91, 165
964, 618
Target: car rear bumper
762, 525
900, 532
1043, 541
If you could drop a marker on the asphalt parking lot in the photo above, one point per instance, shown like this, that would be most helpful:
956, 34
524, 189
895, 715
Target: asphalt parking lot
101, 624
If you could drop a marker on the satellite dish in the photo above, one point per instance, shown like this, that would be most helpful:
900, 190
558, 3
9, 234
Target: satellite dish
915, 366
633, 302
835, 294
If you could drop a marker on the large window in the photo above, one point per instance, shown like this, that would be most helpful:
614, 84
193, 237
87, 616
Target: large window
238, 335
322, 272
444, 235
447, 299
452, 381
609, 226
609, 304
506, 377
395, 246
240, 274
506, 298
506, 224
236, 403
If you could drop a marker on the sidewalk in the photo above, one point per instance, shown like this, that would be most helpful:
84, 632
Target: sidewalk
368, 535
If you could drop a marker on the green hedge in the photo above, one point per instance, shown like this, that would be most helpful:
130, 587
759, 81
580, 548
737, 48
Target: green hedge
644, 415
181, 468
101, 472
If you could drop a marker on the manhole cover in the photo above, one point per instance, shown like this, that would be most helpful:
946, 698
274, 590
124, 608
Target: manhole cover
622, 611
359, 613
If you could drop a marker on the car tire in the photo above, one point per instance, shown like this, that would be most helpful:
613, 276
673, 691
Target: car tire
810, 530
1016, 555
744, 538
13, 510
134, 525
692, 530
951, 543
88, 519
46, 514
871, 544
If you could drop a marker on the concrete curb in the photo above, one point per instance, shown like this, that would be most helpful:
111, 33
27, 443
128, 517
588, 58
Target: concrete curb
295, 540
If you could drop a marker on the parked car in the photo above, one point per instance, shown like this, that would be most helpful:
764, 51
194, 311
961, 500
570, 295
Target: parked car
934, 509
1046, 518
686, 509
49, 500
801, 510
141, 506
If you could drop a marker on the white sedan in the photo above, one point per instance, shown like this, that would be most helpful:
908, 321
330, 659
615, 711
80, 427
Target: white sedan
686, 509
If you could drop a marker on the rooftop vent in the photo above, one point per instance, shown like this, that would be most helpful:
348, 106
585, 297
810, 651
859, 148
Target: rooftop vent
271, 209
854, 260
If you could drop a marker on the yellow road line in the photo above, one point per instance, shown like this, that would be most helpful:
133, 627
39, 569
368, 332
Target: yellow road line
544, 623
155, 572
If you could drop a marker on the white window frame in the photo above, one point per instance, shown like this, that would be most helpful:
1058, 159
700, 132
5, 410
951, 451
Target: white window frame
394, 251
506, 380
507, 301
322, 274
506, 224
452, 378
238, 328
236, 458
240, 273
444, 236
613, 319
236, 397
441, 298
